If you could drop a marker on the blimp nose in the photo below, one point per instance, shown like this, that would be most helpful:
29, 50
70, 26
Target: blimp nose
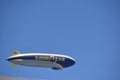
68, 62
72, 62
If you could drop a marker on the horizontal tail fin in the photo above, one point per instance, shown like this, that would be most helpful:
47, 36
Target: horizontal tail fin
13, 64
16, 53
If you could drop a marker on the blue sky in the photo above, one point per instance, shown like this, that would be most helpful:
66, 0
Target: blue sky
87, 30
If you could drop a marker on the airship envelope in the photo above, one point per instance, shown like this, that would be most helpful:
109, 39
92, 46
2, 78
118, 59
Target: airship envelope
54, 61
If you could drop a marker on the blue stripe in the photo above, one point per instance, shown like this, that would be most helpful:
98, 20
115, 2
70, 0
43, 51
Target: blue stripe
23, 57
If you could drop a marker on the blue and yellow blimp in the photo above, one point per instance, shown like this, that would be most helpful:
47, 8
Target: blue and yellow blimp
54, 61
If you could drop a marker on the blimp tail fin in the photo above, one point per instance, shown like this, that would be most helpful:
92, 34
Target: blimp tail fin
16, 53
13, 64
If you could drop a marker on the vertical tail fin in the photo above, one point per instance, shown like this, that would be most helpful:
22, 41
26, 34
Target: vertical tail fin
16, 52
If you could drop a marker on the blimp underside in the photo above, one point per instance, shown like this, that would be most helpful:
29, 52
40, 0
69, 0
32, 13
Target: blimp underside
36, 63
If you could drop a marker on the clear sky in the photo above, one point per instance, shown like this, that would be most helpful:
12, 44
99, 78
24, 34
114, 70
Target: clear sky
87, 30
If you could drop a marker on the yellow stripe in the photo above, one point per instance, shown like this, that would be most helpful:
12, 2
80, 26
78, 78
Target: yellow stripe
19, 60
59, 66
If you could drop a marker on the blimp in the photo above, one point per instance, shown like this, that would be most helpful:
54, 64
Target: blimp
42, 60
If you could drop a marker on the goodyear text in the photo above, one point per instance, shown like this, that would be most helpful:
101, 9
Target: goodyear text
50, 58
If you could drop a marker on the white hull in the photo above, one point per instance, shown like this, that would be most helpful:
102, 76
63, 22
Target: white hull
36, 63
